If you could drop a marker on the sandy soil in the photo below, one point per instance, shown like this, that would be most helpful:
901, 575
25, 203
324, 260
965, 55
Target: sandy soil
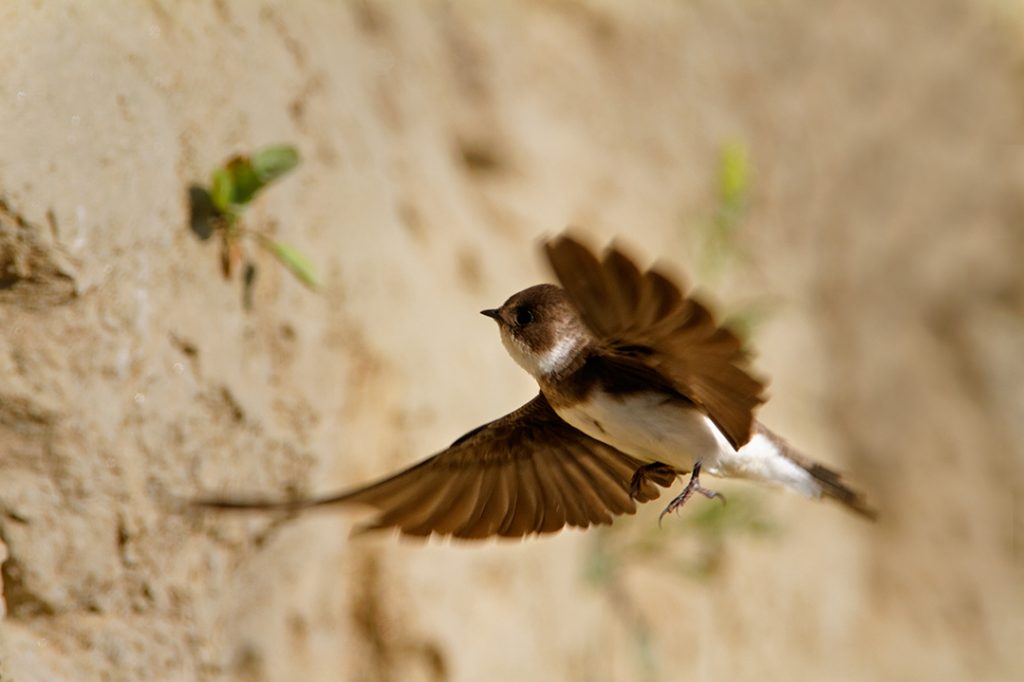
881, 250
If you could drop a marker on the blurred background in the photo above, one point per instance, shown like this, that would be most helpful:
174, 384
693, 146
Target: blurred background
844, 177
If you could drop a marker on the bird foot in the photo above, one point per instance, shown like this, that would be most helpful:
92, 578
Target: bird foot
655, 470
693, 486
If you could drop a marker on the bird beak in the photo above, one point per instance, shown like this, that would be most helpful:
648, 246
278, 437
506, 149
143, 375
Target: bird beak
493, 313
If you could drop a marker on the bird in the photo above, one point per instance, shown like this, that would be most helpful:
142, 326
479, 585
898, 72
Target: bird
639, 385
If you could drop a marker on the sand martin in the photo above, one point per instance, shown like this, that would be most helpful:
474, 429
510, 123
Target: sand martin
639, 384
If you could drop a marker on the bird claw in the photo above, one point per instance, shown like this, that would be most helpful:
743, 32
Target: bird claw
693, 486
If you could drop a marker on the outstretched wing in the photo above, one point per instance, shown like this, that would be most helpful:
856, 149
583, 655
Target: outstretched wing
526, 473
645, 316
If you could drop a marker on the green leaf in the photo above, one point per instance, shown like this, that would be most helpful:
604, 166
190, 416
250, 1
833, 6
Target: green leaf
734, 173
222, 190
234, 184
293, 259
271, 163
733, 180
245, 182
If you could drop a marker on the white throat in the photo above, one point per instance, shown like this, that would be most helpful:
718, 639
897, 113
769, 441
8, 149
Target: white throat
559, 356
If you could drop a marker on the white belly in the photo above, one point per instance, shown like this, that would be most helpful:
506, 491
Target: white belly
650, 428
653, 430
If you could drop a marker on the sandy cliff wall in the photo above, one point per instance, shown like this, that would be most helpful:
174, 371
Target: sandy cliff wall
881, 250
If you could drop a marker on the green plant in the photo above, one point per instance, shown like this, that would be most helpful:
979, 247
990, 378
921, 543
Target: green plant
718, 235
218, 210
733, 203
695, 545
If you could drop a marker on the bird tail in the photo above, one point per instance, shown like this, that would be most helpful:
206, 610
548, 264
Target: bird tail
828, 482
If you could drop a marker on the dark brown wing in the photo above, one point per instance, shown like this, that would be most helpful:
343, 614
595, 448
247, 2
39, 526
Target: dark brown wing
644, 315
526, 473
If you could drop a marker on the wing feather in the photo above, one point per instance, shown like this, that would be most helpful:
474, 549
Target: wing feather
580, 492
477, 525
526, 473
560, 487
644, 316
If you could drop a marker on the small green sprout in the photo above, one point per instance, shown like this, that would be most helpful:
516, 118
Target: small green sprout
219, 209
734, 176
733, 204
291, 258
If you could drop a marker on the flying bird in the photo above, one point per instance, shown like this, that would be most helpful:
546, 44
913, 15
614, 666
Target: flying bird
639, 384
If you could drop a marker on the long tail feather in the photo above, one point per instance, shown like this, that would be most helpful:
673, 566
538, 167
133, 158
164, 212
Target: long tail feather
829, 481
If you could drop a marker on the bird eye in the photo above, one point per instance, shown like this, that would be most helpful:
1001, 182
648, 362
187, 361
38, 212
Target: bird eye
524, 316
